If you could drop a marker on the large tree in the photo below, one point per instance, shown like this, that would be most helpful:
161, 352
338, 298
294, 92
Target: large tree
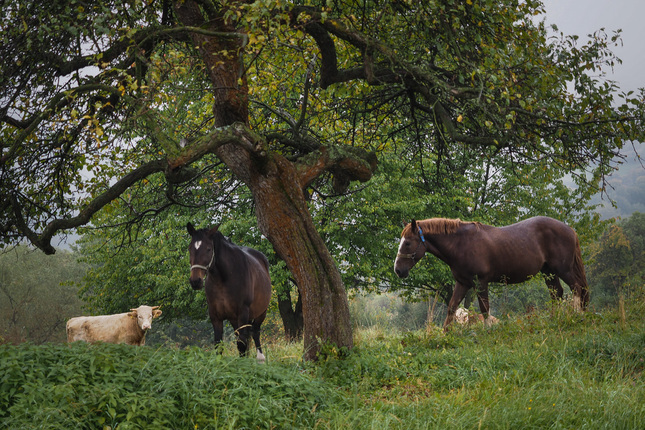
96, 98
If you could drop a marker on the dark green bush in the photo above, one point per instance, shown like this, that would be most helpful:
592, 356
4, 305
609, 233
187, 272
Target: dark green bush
93, 386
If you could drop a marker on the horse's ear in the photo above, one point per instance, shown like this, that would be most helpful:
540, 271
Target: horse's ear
413, 224
213, 230
190, 228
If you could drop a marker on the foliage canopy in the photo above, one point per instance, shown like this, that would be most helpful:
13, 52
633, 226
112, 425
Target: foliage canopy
97, 98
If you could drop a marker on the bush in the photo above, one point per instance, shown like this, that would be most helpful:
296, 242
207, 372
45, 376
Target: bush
85, 386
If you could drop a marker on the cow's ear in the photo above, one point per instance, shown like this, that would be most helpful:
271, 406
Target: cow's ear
190, 228
156, 313
132, 313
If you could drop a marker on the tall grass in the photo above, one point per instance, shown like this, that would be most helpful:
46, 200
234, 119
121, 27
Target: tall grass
555, 369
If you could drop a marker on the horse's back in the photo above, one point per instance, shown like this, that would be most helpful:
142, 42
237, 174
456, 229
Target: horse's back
555, 240
515, 252
540, 228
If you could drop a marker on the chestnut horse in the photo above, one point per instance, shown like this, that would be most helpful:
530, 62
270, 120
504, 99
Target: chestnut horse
238, 286
478, 254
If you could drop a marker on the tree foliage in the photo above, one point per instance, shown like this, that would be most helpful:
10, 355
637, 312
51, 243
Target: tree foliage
113, 89
617, 260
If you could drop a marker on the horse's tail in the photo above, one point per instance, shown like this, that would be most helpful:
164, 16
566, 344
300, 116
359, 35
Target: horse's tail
581, 277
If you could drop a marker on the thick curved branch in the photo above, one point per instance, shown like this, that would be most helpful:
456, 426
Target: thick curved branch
345, 163
392, 70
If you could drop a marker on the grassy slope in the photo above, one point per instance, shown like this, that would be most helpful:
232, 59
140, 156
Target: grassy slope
553, 370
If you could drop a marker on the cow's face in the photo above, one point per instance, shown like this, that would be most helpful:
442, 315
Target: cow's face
144, 316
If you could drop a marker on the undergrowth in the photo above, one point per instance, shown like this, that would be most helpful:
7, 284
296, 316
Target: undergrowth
554, 369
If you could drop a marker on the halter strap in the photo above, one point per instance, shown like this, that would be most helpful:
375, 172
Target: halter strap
414, 254
206, 268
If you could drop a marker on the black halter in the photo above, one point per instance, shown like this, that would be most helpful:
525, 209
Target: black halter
414, 254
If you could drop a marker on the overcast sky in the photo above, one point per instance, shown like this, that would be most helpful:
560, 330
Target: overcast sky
583, 17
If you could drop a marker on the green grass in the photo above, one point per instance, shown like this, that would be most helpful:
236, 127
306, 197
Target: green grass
557, 369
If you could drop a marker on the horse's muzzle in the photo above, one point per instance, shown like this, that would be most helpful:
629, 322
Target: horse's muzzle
401, 273
197, 283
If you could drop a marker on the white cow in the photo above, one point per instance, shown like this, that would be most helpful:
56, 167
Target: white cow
129, 327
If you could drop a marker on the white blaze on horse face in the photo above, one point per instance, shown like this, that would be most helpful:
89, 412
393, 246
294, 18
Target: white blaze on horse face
198, 244
396, 260
401, 245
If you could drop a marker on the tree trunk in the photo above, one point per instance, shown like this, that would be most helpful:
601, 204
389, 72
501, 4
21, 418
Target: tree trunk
284, 218
291, 318
277, 187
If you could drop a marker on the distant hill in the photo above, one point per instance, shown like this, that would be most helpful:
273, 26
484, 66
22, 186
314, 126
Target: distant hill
627, 186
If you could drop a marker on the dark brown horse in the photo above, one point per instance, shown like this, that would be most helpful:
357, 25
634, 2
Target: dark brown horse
238, 286
478, 254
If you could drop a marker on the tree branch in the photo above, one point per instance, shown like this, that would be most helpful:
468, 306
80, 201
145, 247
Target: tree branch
194, 151
393, 70
346, 164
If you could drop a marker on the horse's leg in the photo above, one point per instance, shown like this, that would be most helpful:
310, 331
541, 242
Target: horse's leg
484, 305
218, 331
555, 287
242, 329
255, 328
457, 296
579, 289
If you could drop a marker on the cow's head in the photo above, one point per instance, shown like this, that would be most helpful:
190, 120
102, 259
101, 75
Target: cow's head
144, 315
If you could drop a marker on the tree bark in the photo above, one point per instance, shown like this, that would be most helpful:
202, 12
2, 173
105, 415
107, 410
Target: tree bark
284, 218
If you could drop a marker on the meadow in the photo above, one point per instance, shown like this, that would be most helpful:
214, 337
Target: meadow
553, 369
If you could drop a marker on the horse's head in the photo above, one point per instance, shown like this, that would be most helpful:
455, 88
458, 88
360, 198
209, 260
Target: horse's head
411, 249
202, 254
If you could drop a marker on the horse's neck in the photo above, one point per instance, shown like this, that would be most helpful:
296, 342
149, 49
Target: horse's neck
224, 254
221, 252
441, 245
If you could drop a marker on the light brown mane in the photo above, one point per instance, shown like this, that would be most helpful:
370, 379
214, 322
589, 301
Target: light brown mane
439, 226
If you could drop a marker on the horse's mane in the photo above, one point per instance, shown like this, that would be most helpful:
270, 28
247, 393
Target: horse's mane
439, 226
